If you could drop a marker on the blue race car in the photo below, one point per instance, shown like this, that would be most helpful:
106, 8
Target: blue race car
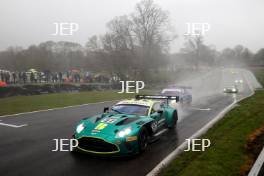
183, 92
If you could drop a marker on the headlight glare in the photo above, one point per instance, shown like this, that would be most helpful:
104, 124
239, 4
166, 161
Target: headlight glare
124, 132
79, 128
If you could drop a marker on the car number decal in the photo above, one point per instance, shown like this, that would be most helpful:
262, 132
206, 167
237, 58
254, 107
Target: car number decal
109, 120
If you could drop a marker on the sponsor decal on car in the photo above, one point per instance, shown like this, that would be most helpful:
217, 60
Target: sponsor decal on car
100, 126
131, 138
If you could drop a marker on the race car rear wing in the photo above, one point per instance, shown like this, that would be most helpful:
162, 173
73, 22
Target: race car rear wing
182, 87
158, 97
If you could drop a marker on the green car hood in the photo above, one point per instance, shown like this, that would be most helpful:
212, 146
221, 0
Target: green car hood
109, 124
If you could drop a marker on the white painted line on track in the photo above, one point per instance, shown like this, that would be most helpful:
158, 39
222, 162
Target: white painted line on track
165, 162
168, 159
200, 109
161, 132
11, 125
257, 165
59, 108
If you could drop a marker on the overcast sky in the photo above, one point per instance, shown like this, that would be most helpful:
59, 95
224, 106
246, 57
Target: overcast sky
26, 22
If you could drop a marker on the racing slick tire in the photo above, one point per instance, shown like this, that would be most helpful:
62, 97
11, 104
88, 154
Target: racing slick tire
181, 101
189, 103
143, 139
174, 120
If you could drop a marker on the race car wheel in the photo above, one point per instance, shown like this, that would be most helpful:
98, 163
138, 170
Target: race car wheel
189, 101
143, 139
174, 120
181, 100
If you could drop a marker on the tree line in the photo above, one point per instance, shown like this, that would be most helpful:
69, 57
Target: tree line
134, 47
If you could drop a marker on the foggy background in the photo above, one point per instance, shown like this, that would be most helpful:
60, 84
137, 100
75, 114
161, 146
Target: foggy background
27, 22
127, 40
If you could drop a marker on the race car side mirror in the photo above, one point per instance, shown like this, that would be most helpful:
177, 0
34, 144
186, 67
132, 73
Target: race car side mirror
106, 109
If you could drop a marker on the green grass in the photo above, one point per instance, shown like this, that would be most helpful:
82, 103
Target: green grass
260, 75
20, 104
228, 137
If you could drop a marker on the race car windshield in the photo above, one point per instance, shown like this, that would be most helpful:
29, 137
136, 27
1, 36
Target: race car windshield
131, 109
172, 92
231, 87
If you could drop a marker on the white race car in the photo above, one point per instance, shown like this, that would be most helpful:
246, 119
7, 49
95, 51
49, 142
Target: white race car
231, 89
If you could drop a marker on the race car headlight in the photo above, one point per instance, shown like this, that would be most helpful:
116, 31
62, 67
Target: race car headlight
79, 128
224, 89
124, 132
233, 90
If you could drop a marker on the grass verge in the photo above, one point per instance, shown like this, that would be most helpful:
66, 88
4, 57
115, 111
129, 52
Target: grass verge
229, 136
18, 104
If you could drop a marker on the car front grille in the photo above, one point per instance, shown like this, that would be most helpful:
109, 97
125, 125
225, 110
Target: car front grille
91, 144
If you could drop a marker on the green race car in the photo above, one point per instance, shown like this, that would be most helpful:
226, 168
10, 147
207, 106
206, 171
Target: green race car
127, 127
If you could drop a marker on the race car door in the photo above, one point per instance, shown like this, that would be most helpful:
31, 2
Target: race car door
157, 115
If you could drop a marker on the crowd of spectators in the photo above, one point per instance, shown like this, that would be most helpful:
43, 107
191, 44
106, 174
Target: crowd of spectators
34, 76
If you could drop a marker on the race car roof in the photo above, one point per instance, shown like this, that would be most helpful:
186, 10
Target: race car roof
142, 102
180, 87
173, 89
230, 87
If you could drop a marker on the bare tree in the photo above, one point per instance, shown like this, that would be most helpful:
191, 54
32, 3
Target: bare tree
151, 25
258, 58
140, 40
93, 44
121, 33
152, 34
193, 46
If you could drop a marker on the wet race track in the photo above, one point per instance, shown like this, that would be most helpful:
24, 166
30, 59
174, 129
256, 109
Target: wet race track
28, 150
